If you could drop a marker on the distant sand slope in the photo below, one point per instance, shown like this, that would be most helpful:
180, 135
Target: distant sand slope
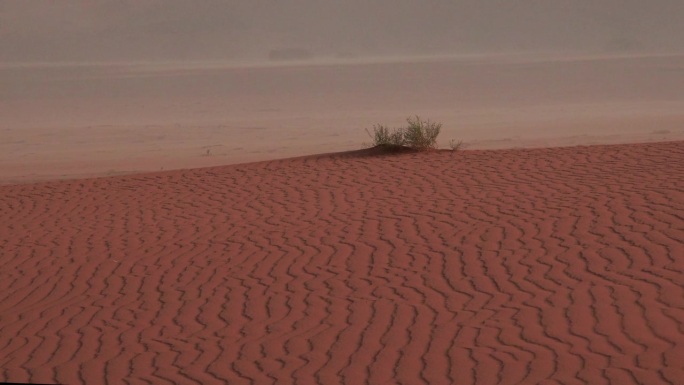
492, 267
85, 120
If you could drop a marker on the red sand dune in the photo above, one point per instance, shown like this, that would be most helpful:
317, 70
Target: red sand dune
551, 266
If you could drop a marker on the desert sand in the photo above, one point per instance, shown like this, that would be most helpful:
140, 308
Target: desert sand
72, 120
551, 265
187, 193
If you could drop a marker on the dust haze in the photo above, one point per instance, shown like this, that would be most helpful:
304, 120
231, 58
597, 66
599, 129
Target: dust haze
131, 30
100, 87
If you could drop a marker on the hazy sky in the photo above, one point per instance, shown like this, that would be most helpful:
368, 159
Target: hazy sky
122, 30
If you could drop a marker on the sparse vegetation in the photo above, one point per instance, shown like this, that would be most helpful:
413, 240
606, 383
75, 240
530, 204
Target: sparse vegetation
383, 136
422, 134
455, 145
419, 135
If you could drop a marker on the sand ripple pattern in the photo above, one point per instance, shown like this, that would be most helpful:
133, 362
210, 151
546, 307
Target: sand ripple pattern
554, 266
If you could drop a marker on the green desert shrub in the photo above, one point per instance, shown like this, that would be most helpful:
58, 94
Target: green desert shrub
419, 135
387, 137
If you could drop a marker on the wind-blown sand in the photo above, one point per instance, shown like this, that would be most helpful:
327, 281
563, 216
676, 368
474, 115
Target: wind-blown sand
558, 265
82, 120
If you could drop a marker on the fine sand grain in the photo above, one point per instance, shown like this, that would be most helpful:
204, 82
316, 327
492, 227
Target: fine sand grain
491, 267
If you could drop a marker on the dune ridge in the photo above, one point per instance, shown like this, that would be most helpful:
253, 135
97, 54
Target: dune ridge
114, 118
556, 265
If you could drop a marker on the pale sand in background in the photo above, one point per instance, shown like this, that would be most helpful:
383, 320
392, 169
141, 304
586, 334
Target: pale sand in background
65, 121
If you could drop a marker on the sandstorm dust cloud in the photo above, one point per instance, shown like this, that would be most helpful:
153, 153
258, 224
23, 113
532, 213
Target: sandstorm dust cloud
131, 30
